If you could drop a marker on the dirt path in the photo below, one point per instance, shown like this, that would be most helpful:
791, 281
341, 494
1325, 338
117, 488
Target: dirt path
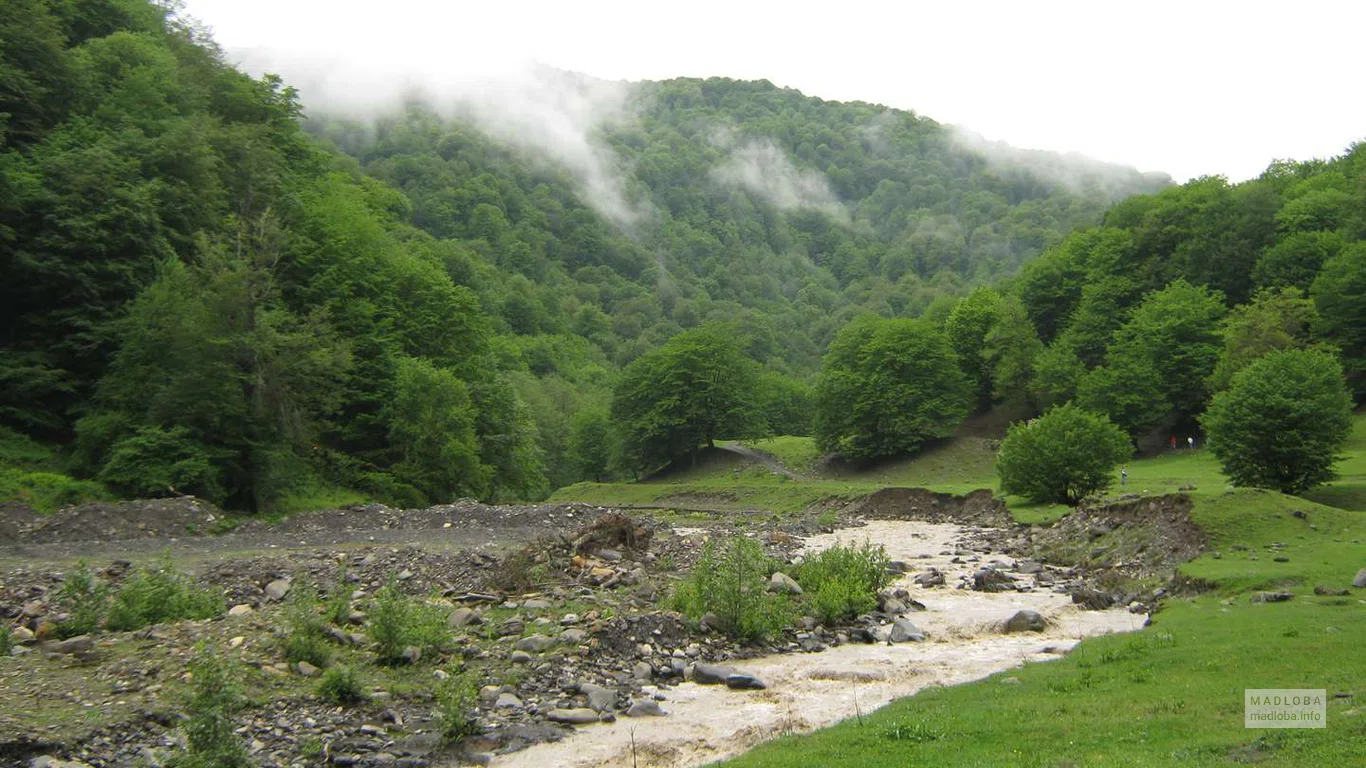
759, 457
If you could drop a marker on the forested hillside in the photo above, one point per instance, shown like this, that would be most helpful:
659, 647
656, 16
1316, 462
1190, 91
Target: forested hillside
207, 293
201, 298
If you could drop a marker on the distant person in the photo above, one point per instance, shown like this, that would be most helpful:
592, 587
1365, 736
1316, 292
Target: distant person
1123, 475
1190, 442
1173, 441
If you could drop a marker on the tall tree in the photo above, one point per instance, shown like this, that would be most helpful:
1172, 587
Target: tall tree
886, 387
695, 389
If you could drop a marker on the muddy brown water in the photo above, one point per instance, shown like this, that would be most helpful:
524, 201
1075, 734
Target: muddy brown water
811, 690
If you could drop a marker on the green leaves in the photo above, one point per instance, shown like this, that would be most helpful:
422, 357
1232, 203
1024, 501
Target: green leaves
1061, 457
698, 387
1282, 421
886, 387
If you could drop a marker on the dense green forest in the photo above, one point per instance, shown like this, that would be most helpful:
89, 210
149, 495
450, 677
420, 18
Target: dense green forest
207, 292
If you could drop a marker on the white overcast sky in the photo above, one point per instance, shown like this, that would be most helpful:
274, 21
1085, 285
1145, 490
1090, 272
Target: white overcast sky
1191, 88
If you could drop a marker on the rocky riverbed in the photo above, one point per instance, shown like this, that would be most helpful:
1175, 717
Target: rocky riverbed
557, 612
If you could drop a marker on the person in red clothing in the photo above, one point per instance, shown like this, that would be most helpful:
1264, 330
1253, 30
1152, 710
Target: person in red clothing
1173, 442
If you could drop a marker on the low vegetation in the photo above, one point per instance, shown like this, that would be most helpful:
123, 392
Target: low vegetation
398, 623
729, 581
304, 633
843, 581
456, 697
210, 725
152, 594
343, 686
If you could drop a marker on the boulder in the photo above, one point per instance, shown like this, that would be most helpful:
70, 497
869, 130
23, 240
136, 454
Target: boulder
1026, 621
710, 674
930, 578
1092, 599
534, 643
1360, 581
579, 716
600, 699
307, 670
507, 701
992, 580
276, 590
903, 631
783, 584
574, 636
77, 644
741, 681
645, 708
1272, 597
241, 609
463, 617
412, 654
520, 657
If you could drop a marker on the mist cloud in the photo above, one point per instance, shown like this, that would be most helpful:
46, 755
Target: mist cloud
760, 167
544, 112
1072, 171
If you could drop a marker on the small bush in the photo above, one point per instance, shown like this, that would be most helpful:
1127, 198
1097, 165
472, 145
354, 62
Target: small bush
729, 581
160, 593
1061, 457
85, 599
47, 491
843, 581
339, 603
455, 699
305, 637
210, 728
398, 621
157, 462
342, 686
6, 641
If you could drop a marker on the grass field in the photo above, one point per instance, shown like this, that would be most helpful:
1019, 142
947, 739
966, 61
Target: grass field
1172, 694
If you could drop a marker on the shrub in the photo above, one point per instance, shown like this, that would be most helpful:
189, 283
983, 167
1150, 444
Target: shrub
342, 686
85, 599
160, 593
455, 699
305, 637
1282, 421
157, 462
210, 729
339, 603
6, 641
398, 621
1063, 456
729, 582
843, 581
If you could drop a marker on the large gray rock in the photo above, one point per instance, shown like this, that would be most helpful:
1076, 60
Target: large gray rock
508, 701
600, 699
579, 716
1026, 621
711, 674
534, 643
520, 657
77, 644
645, 708
463, 617
783, 584
574, 636
1360, 580
742, 681
903, 631
992, 580
1092, 599
930, 578
276, 590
